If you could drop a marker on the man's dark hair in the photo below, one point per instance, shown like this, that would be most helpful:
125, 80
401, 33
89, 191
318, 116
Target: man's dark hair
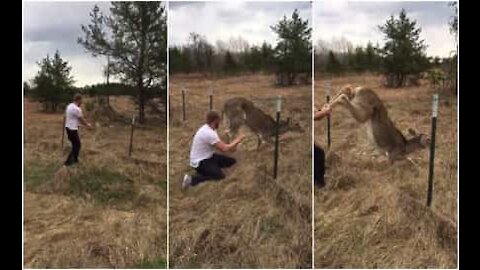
77, 97
212, 116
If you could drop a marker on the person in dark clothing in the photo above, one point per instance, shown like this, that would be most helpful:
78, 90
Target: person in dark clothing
318, 153
203, 158
74, 116
74, 139
319, 166
211, 168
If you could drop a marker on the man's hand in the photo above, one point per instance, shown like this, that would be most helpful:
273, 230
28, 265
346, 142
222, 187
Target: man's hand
327, 109
231, 147
237, 141
241, 137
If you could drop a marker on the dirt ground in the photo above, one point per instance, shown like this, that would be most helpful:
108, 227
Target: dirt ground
247, 219
373, 215
109, 211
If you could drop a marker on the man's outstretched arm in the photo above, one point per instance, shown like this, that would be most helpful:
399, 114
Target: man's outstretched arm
230, 147
319, 115
84, 122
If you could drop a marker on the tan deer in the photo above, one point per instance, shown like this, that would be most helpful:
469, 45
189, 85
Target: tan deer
367, 108
240, 111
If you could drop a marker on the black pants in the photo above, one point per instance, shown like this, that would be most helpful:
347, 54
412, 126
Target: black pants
211, 168
75, 140
319, 166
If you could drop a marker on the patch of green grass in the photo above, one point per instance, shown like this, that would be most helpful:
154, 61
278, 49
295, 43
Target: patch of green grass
36, 174
269, 225
158, 263
104, 186
162, 184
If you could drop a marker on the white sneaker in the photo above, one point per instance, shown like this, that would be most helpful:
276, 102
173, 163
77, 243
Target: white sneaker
187, 181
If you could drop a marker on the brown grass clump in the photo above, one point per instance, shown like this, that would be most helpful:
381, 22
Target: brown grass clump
104, 114
373, 215
247, 219
108, 211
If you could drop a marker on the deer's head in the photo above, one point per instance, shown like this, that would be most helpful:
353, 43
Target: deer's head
417, 140
347, 90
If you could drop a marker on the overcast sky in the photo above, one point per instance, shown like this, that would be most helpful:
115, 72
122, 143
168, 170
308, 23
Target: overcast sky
56, 25
358, 21
225, 20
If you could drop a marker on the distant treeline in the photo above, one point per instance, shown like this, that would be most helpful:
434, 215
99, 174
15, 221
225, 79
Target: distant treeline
95, 90
53, 86
289, 59
237, 56
118, 89
137, 62
402, 59
341, 57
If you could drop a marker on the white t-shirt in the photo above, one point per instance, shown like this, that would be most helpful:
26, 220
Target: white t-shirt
203, 145
72, 113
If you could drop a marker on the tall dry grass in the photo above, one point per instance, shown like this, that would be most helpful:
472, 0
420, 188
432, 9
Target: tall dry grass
247, 219
109, 211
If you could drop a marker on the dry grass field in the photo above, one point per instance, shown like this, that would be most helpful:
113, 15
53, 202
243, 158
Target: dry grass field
109, 211
247, 219
373, 215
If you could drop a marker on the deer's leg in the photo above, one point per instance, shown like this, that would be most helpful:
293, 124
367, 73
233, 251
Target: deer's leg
259, 141
390, 158
228, 129
360, 114
229, 135
412, 162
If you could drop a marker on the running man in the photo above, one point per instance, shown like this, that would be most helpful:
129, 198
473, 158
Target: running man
74, 115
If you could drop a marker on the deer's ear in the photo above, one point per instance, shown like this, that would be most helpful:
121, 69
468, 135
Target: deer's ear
412, 131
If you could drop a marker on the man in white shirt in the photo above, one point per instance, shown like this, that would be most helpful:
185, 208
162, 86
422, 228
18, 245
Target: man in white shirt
203, 158
73, 115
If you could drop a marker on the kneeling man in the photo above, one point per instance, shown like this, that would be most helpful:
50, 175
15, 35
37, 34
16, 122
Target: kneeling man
203, 158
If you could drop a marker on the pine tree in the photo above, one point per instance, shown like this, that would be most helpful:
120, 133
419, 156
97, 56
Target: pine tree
53, 82
404, 52
137, 45
333, 65
26, 89
371, 58
254, 59
229, 65
454, 30
293, 49
359, 59
267, 57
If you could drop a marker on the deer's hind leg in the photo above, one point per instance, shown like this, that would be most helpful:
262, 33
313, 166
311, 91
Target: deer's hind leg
260, 140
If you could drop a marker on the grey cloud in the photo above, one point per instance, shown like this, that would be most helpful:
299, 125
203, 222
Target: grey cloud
177, 5
358, 22
222, 20
51, 26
